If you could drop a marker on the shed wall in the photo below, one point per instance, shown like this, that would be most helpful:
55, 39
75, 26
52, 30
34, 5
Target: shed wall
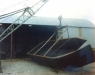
73, 32
86, 33
89, 34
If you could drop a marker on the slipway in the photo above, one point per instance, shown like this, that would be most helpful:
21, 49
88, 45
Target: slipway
66, 54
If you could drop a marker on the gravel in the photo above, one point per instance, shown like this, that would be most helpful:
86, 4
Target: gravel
28, 67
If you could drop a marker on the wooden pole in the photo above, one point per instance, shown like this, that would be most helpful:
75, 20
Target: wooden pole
11, 48
0, 55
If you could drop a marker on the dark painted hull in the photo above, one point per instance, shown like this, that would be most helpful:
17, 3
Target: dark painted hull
73, 54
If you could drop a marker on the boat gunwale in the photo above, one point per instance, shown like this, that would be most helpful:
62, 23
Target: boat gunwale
59, 55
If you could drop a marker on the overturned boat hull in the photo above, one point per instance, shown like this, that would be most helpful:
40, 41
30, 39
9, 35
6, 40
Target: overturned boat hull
67, 54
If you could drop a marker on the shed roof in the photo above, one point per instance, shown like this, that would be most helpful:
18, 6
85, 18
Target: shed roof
52, 21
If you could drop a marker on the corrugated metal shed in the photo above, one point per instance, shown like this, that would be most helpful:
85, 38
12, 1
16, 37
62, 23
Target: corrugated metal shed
51, 21
86, 33
87, 27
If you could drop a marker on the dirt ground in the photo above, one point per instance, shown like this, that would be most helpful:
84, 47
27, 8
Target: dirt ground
28, 67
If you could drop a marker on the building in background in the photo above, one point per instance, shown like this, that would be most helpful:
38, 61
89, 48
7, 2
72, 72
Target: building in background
38, 29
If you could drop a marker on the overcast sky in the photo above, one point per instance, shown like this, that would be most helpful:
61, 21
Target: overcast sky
80, 9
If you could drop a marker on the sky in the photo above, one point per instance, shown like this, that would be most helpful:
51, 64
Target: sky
79, 9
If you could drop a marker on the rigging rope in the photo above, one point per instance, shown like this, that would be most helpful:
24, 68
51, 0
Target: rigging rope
41, 42
11, 13
5, 19
15, 12
45, 43
54, 43
60, 46
12, 5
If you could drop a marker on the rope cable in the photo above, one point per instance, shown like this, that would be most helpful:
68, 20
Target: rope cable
54, 43
5, 19
14, 12
60, 46
45, 43
11, 13
13, 5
